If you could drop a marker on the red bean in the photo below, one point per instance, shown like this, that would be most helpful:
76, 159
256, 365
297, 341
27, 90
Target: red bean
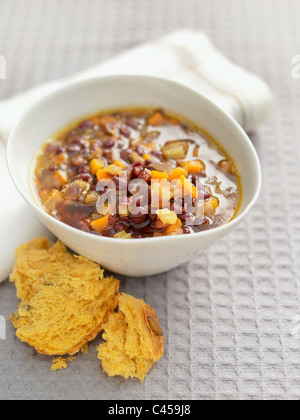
138, 218
73, 148
120, 183
83, 170
145, 176
186, 218
140, 150
79, 141
125, 154
137, 236
125, 132
136, 171
85, 224
78, 161
86, 125
157, 154
51, 149
84, 177
112, 220
187, 230
140, 201
109, 143
133, 124
60, 150
109, 233
137, 164
107, 153
110, 128
118, 227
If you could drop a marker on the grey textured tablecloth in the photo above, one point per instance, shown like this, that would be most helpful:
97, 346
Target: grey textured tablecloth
230, 317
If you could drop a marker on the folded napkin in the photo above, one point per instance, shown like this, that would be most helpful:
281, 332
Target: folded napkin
185, 56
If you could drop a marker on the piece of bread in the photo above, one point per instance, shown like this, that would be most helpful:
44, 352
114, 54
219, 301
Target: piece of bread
134, 340
65, 300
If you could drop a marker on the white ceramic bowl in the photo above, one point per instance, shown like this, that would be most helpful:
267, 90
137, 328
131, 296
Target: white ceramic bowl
142, 257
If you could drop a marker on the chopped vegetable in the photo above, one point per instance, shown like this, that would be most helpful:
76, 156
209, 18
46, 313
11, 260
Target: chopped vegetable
102, 174
147, 157
135, 157
159, 175
113, 170
175, 229
95, 165
123, 235
100, 224
228, 166
91, 197
188, 187
211, 206
175, 150
177, 173
61, 158
62, 176
157, 120
167, 217
119, 163
193, 166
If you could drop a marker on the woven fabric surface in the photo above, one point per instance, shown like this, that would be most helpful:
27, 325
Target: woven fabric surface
230, 317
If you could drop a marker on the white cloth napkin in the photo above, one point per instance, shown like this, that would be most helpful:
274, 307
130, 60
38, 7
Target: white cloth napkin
185, 56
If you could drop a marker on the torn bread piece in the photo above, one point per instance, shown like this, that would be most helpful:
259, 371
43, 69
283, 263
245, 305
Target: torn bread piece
65, 300
134, 340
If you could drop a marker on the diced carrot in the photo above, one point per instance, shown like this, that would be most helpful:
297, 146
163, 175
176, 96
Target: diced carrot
95, 165
147, 157
188, 187
62, 176
119, 163
174, 229
55, 195
157, 120
177, 173
195, 193
60, 159
159, 175
193, 166
100, 224
101, 174
182, 179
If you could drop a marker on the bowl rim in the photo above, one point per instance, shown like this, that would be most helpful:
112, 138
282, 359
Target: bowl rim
102, 79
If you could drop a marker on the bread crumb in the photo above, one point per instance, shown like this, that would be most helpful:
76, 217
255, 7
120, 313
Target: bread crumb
134, 340
60, 363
